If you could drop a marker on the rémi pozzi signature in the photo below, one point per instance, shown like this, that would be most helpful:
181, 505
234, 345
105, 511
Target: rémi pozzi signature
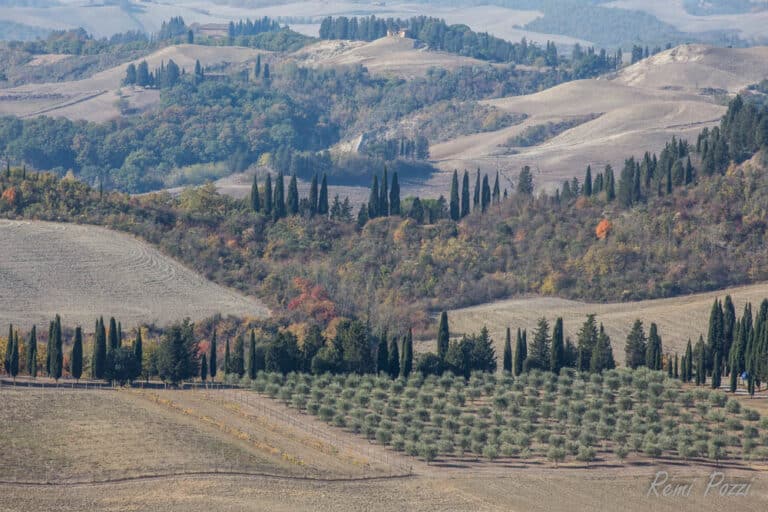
664, 486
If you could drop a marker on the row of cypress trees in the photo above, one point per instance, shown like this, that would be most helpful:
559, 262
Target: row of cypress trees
54, 360
272, 201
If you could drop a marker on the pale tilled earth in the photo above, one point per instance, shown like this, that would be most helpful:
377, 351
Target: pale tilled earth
82, 272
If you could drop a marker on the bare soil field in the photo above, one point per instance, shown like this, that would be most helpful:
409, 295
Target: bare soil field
151, 445
81, 272
638, 109
678, 318
387, 56
95, 98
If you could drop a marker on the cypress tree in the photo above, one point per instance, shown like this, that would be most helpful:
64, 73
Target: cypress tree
476, 197
602, 353
13, 364
701, 365
394, 359
99, 359
683, 369
540, 347
204, 368
653, 353
507, 363
268, 196
383, 208
48, 348
322, 202
485, 198
716, 371
227, 359
688, 172
443, 336
213, 356
455, 208
729, 325
32, 353
670, 369
406, 365
382, 355
557, 354
313, 196
518, 361
688, 363
293, 196
119, 334
8, 350
610, 184
238, 361
113, 341
252, 357
138, 350
715, 332
278, 204
465, 195
676, 374
76, 360
496, 194
373, 199
635, 347
57, 357
587, 190
394, 196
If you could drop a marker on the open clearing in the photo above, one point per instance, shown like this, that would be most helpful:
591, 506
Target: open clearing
95, 98
80, 435
678, 318
81, 272
639, 109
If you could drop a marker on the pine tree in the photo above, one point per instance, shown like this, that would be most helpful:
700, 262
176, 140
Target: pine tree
76, 359
602, 353
635, 347
394, 196
373, 199
322, 202
268, 196
382, 354
455, 208
406, 363
313, 196
32, 353
57, 356
204, 368
394, 359
557, 352
586, 341
255, 199
252, 359
383, 208
443, 336
540, 347
465, 195
525, 182
212, 358
227, 359
507, 362
13, 364
279, 202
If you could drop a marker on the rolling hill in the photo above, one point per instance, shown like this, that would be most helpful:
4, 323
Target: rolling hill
81, 272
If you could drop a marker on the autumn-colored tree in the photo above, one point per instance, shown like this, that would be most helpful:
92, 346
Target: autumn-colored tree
603, 229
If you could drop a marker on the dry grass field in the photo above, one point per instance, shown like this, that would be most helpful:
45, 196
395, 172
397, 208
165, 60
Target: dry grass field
77, 440
81, 272
678, 318
95, 98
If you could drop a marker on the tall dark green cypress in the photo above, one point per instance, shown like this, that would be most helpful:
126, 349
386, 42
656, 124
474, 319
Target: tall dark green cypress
653, 350
394, 196
255, 199
13, 364
49, 348
57, 357
113, 341
394, 359
677, 372
252, 366
322, 202
507, 362
520, 354
382, 355
204, 368
455, 207
268, 207
213, 356
496, 194
485, 198
293, 196
688, 362
729, 326
557, 349
32, 353
384, 195
587, 189
465, 195
227, 359
99, 358
9, 350
238, 361
610, 184
278, 204
373, 199
76, 359
701, 364
716, 371
715, 333
443, 336
138, 349
476, 197
406, 365
313, 196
